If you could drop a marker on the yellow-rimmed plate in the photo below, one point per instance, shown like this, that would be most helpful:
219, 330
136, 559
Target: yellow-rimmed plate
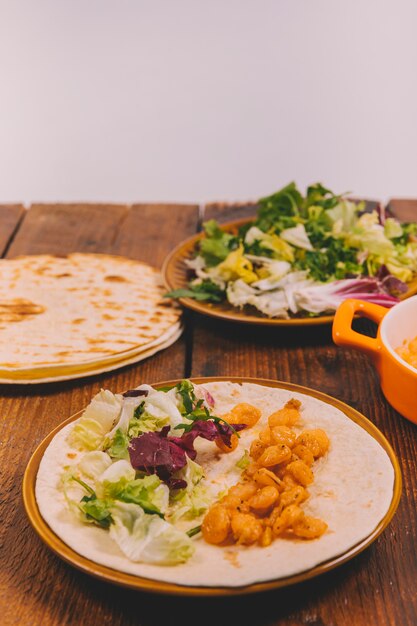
177, 276
54, 542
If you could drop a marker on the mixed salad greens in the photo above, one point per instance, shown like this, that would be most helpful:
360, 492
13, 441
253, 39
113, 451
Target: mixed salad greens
137, 476
303, 255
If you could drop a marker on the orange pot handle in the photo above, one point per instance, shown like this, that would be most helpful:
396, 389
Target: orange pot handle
344, 335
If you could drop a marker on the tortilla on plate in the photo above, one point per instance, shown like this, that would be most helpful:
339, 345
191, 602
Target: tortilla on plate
352, 492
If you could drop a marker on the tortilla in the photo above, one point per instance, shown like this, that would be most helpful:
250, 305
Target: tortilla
40, 375
81, 309
352, 492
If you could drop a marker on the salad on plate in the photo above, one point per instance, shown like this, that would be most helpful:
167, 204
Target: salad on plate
303, 255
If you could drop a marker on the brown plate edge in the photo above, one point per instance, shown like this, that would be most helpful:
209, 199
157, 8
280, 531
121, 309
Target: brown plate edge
154, 586
180, 252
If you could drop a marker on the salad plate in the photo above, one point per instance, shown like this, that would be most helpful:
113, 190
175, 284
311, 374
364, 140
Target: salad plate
295, 261
259, 570
176, 274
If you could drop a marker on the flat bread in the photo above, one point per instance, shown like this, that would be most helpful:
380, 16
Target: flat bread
81, 371
79, 309
352, 493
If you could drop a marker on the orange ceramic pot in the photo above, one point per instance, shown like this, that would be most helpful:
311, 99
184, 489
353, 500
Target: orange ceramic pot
396, 325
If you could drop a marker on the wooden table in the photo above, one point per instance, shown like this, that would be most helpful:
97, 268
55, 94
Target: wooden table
378, 587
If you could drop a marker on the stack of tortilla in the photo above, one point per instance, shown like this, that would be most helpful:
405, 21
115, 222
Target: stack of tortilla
78, 315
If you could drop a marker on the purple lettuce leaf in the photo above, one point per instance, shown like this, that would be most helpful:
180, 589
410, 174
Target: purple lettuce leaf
390, 283
369, 289
134, 393
156, 453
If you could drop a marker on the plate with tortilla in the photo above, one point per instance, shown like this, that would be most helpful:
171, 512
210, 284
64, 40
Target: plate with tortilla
80, 314
214, 486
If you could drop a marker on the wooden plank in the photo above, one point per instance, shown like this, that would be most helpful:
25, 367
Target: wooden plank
164, 223
64, 228
10, 217
308, 357
225, 212
35, 586
405, 210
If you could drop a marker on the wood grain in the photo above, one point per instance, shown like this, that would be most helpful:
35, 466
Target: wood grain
405, 210
224, 212
64, 228
35, 586
148, 228
10, 217
308, 357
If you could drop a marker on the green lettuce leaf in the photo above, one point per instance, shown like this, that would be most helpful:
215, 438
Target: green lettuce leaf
195, 498
297, 236
244, 461
96, 511
149, 492
204, 290
94, 463
118, 482
90, 431
148, 538
343, 217
320, 196
118, 448
278, 248
280, 210
90, 508
334, 261
392, 228
217, 244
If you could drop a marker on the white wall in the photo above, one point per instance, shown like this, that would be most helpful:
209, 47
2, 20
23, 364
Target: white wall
195, 100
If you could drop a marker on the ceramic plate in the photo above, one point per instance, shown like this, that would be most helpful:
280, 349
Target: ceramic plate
147, 584
177, 275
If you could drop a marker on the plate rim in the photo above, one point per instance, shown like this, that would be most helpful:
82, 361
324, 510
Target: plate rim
108, 574
205, 308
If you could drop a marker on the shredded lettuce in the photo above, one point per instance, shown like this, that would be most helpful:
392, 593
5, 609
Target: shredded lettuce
148, 538
162, 406
94, 463
136, 506
297, 236
97, 420
119, 471
244, 461
217, 244
203, 290
392, 228
195, 499
273, 304
325, 236
118, 448
279, 248
148, 492
342, 217
129, 408
96, 511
